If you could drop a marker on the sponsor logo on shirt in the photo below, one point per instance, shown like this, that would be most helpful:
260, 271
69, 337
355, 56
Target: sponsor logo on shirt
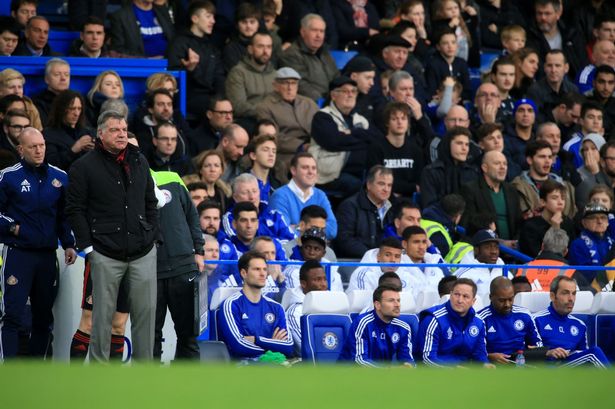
25, 186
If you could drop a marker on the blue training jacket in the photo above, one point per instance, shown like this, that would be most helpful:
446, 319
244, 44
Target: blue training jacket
34, 198
446, 338
372, 341
509, 333
561, 331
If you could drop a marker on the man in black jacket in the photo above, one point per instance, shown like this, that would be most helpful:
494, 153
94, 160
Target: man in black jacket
111, 206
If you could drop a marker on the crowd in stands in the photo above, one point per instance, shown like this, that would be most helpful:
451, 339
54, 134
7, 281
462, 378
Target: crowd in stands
399, 156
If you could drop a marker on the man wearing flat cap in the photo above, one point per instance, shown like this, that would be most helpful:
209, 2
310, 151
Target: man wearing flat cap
292, 113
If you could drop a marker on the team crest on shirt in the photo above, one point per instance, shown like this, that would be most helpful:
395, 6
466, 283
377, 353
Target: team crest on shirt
269, 317
329, 340
473, 331
12, 280
395, 338
225, 248
56, 183
449, 333
269, 223
519, 325
574, 331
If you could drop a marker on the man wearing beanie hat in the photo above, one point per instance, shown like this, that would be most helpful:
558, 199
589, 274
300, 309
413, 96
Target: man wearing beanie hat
520, 131
363, 71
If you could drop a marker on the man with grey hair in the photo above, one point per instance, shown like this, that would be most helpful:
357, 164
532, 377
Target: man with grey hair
271, 222
112, 208
310, 57
57, 78
232, 143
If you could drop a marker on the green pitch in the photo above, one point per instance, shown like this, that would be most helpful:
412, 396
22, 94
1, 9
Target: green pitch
36, 385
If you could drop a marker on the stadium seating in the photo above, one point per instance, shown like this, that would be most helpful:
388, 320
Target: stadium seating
217, 298
426, 299
61, 41
214, 351
342, 57
604, 331
324, 325
359, 300
534, 301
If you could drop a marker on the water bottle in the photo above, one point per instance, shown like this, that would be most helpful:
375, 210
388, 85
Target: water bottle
520, 359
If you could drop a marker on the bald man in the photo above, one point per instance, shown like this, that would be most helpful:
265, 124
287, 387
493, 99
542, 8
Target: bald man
492, 194
31, 222
457, 115
509, 328
603, 53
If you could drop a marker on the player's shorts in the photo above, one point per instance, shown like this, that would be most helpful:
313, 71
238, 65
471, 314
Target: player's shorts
86, 299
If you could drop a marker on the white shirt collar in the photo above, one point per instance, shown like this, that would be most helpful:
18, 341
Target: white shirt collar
299, 193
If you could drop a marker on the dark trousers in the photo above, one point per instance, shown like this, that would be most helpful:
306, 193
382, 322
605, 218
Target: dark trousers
34, 274
177, 293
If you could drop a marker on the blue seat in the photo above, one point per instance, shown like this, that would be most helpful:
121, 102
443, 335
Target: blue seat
486, 60
342, 57
217, 298
61, 41
413, 321
604, 330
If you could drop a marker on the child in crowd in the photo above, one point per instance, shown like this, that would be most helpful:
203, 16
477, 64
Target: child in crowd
445, 63
513, 39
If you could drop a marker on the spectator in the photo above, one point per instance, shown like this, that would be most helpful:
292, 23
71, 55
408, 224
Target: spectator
592, 121
210, 216
291, 18
300, 192
416, 51
549, 33
363, 71
440, 221
292, 113
512, 37
232, 144
67, 136
489, 138
15, 102
503, 73
398, 151
166, 156
198, 192
23, 10
141, 29
194, 52
57, 78
389, 251
520, 131
603, 54
563, 162
414, 12
451, 333
605, 175
107, 85
9, 36
456, 116
218, 116
312, 216
552, 201
566, 115
179, 259
355, 23
251, 79
311, 58
210, 167
487, 103
590, 151
13, 124
446, 63
526, 66
539, 156
93, 194
602, 93
247, 21
445, 286
379, 336
362, 216
251, 338
449, 14
11, 82
91, 42
548, 91
521, 285
422, 279
36, 39
262, 153
451, 170
447, 95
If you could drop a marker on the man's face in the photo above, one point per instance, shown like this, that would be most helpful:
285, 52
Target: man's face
345, 97
395, 57
398, 123
73, 113
16, 127
261, 49
248, 26
487, 253
212, 250
37, 34
314, 34
316, 281
32, 147
568, 117
222, 116
448, 45
504, 78
197, 196
233, 147
318, 222
312, 250
93, 37
462, 299
609, 162
166, 141
266, 248
487, 94
525, 116
596, 223
114, 135
287, 88
8, 43
204, 21
389, 305
388, 255
547, 17
210, 221
24, 13
554, 202
541, 162
604, 85
456, 116
592, 121
416, 247
379, 190
58, 79
255, 276
606, 31
565, 297
492, 142
305, 173
246, 226
265, 154
13, 87
552, 135
555, 68
495, 167
364, 80
409, 217
502, 300
404, 91
162, 110
604, 54
247, 192
460, 147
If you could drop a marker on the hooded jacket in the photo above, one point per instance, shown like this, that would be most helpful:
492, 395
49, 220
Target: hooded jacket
247, 84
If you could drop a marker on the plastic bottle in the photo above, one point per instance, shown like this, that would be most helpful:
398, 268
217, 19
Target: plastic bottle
520, 359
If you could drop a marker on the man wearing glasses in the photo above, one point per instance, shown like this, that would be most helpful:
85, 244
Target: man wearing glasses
13, 125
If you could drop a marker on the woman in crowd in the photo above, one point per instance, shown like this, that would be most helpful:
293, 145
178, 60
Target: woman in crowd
107, 85
12, 83
526, 66
210, 166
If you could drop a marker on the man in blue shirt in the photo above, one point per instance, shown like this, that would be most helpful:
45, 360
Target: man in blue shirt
451, 333
564, 334
249, 323
509, 328
379, 335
